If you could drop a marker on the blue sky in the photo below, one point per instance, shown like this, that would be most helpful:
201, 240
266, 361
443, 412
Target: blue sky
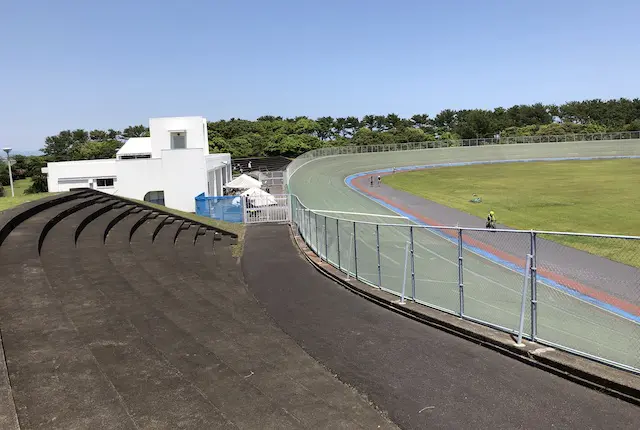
108, 64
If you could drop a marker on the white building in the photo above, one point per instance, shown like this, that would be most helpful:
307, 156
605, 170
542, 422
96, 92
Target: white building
171, 167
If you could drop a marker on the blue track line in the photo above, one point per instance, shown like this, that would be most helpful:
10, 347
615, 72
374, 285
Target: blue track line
349, 179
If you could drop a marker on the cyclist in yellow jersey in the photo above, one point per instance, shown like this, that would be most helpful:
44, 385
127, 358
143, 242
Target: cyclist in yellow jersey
491, 220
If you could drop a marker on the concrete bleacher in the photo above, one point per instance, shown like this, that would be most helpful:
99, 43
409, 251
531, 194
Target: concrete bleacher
115, 315
269, 164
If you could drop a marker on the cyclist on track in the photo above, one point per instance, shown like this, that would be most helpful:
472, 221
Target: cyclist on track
491, 220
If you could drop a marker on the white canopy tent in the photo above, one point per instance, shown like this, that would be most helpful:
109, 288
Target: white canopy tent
243, 182
259, 198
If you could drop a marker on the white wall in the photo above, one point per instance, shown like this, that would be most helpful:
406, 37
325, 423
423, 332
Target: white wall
216, 165
179, 174
217, 160
63, 176
195, 127
137, 177
211, 183
184, 177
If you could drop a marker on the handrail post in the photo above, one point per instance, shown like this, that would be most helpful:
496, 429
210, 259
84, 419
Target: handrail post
326, 242
355, 251
534, 288
315, 222
309, 228
338, 241
413, 271
378, 252
527, 272
404, 274
460, 273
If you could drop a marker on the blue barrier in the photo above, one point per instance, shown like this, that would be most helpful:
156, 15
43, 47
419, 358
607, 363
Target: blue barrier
223, 208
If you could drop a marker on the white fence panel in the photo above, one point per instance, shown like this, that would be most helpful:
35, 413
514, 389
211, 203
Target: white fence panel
272, 208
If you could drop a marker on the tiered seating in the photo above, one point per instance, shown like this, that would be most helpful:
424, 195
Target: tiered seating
117, 315
260, 163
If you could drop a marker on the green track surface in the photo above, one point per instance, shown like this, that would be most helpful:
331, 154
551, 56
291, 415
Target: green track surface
492, 292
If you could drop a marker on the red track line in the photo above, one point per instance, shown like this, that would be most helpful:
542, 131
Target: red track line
360, 184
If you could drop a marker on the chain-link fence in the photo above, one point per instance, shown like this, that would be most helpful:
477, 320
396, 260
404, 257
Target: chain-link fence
570, 296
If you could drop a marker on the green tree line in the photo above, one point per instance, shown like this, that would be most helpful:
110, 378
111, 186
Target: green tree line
274, 135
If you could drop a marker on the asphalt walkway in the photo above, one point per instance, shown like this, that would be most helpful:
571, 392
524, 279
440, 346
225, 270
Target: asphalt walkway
422, 377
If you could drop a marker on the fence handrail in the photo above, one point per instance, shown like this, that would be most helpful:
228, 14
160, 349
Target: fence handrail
448, 143
458, 227
534, 271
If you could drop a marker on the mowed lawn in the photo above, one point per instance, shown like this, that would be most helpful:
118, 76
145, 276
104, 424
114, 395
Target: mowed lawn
601, 196
19, 187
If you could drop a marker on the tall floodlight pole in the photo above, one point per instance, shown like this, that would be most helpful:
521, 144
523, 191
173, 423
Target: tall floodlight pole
8, 150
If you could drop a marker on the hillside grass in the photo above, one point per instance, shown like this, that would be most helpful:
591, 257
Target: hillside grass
600, 196
231, 227
19, 187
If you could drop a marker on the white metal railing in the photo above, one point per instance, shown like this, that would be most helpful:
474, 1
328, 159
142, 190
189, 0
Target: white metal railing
571, 308
360, 149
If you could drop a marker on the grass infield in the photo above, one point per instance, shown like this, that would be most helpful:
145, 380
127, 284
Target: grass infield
601, 196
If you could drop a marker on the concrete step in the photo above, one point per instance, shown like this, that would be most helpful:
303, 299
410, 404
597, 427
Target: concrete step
56, 382
201, 320
224, 387
126, 347
258, 346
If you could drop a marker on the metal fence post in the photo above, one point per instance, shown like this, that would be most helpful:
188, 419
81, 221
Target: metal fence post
413, 271
309, 228
355, 250
304, 225
244, 210
338, 241
460, 273
534, 288
326, 242
294, 214
527, 272
378, 252
315, 221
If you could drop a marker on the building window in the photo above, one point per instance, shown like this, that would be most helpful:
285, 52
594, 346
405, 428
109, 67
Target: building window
156, 197
105, 183
178, 139
135, 157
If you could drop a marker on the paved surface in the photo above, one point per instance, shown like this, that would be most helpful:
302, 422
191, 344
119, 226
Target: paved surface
492, 290
423, 377
157, 332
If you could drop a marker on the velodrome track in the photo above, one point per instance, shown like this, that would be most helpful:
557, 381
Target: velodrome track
115, 316
492, 288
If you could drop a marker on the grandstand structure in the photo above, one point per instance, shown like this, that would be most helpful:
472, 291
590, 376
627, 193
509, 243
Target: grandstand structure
117, 315
265, 164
